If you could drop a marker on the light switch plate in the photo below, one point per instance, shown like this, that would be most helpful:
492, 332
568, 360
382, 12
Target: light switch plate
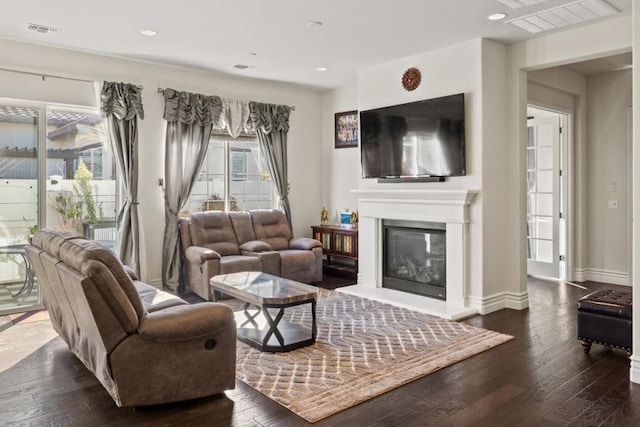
613, 204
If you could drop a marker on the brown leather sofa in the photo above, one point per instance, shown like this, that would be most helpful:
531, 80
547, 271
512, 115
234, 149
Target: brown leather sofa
145, 346
221, 243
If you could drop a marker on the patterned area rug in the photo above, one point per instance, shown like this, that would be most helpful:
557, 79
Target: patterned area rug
364, 348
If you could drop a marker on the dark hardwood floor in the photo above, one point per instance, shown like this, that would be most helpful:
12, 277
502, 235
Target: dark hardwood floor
542, 378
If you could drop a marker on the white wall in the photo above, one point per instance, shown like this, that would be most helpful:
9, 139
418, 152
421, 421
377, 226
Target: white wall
607, 230
340, 167
497, 251
634, 373
304, 136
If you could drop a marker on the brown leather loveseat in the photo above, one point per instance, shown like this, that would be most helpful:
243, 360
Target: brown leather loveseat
261, 240
145, 346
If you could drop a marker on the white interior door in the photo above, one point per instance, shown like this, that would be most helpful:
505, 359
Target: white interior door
543, 196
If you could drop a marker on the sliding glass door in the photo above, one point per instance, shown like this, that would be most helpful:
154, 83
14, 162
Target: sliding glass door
80, 177
19, 189
56, 171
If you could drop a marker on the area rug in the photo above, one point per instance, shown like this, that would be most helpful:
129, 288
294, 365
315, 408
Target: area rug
364, 348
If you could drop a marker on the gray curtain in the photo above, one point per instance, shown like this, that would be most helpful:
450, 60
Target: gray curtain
121, 105
271, 123
190, 118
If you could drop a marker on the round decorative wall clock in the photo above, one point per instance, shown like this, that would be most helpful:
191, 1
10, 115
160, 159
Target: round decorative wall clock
411, 79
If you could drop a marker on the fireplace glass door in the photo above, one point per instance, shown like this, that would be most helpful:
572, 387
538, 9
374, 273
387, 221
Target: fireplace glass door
414, 259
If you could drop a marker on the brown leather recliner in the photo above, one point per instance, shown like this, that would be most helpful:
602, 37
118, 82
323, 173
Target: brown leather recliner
221, 243
300, 258
211, 247
145, 346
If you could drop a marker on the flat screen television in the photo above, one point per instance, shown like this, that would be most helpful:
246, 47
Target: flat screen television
418, 139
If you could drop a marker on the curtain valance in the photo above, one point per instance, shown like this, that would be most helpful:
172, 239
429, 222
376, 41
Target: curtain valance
192, 108
269, 117
235, 117
122, 100
231, 115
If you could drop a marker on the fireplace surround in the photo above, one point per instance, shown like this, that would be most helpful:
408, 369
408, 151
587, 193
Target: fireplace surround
450, 209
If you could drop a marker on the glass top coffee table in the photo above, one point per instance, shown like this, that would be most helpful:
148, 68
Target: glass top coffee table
262, 292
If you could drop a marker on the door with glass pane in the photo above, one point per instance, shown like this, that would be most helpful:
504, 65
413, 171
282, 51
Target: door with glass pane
543, 196
19, 131
80, 176
71, 187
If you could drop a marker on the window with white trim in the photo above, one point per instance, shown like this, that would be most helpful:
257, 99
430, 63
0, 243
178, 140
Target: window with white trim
233, 177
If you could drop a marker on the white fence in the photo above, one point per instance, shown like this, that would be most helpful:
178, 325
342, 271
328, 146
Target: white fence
19, 211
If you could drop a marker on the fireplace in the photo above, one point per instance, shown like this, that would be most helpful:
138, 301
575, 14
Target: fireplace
445, 213
414, 257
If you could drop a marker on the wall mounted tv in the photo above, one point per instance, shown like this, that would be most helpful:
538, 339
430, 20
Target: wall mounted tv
421, 140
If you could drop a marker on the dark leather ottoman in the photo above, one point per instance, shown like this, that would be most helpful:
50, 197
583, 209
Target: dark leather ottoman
604, 317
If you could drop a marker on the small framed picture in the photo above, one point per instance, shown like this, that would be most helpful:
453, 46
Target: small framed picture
346, 127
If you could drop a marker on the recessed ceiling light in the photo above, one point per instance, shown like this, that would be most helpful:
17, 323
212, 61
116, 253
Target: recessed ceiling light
321, 69
241, 66
314, 24
496, 16
149, 32
253, 54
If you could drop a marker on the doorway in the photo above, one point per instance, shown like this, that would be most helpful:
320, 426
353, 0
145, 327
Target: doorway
546, 192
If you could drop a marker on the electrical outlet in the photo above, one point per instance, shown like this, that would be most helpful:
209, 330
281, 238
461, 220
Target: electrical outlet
613, 204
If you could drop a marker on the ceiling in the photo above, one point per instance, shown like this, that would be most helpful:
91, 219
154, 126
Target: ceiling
622, 61
271, 37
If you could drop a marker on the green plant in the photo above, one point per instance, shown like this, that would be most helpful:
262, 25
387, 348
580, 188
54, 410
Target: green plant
87, 192
31, 230
67, 207
80, 204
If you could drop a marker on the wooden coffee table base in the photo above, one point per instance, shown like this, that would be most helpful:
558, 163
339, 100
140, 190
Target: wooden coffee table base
278, 335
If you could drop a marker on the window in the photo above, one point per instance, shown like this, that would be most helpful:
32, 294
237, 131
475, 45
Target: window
239, 160
81, 177
56, 171
233, 178
73, 139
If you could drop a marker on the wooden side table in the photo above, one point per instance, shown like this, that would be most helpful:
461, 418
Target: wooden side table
340, 247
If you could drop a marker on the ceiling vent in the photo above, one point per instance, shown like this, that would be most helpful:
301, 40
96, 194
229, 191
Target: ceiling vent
572, 13
517, 4
42, 28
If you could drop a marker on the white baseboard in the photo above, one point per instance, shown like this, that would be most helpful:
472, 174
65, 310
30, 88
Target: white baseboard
598, 275
634, 371
579, 275
495, 302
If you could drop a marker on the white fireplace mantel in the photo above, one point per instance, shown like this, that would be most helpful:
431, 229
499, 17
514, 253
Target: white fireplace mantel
450, 207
